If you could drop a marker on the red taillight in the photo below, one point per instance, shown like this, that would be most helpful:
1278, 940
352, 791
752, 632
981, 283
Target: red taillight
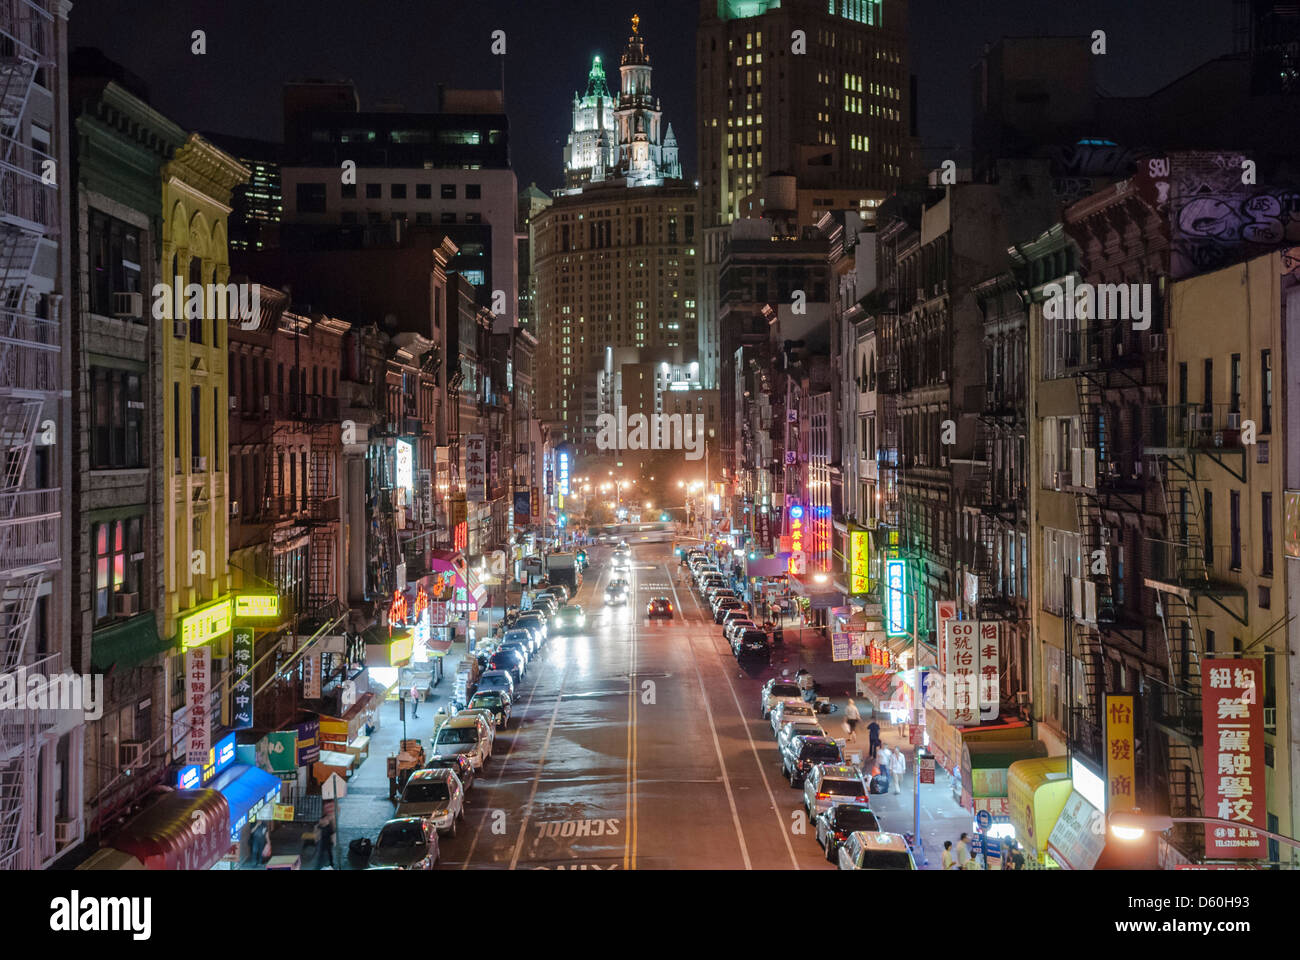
822, 796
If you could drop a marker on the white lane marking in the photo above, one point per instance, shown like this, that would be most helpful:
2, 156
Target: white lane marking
717, 746
758, 761
541, 765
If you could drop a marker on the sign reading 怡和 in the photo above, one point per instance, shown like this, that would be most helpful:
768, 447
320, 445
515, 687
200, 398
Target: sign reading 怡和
1120, 761
962, 657
1233, 719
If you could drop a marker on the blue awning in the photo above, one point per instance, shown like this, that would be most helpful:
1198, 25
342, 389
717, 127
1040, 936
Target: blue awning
245, 789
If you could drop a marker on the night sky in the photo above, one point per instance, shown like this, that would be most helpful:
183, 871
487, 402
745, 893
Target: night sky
401, 50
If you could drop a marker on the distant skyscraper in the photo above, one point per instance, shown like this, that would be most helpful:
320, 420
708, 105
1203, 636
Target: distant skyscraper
623, 138
834, 112
614, 255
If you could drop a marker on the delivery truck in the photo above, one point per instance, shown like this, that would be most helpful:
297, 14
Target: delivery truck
564, 568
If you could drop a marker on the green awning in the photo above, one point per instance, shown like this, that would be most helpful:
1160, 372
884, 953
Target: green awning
127, 644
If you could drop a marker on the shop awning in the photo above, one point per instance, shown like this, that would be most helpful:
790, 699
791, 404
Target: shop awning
127, 644
879, 689
182, 830
984, 764
245, 788
1037, 790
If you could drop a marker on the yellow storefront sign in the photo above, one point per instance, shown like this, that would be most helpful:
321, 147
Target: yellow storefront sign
1119, 753
1037, 790
252, 606
205, 624
859, 562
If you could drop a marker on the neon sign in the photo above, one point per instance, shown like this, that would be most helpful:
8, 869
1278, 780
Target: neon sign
563, 460
896, 602
206, 623
252, 607
796, 538
397, 611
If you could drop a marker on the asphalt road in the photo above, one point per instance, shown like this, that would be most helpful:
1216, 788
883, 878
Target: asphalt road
636, 745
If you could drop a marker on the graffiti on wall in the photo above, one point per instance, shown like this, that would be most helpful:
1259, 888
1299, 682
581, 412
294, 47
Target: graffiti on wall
1215, 219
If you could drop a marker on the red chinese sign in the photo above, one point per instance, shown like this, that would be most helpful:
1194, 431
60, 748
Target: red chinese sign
962, 657
461, 536
1233, 719
397, 611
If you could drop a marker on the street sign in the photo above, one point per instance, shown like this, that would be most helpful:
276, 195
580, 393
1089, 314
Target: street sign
926, 766
983, 819
915, 734
335, 788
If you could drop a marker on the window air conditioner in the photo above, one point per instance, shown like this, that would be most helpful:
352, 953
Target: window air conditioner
65, 831
1270, 718
133, 754
128, 604
128, 304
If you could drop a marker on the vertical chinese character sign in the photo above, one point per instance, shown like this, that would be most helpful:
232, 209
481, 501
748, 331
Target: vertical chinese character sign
475, 468
1233, 722
1120, 762
311, 664
989, 668
198, 674
944, 610
962, 658
241, 650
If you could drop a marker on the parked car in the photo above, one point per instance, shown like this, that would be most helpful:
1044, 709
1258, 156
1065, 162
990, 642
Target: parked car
547, 604
786, 710
498, 703
509, 661
777, 691
798, 727
659, 607
435, 795
733, 629
571, 618
834, 824
752, 645
534, 623
483, 712
458, 764
520, 634
829, 784
407, 843
560, 592
865, 850
732, 616
726, 604
522, 647
497, 680
469, 735
801, 753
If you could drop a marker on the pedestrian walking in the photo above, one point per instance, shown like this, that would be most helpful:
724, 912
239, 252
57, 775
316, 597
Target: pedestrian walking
897, 767
851, 720
415, 701
963, 852
873, 738
325, 830
948, 862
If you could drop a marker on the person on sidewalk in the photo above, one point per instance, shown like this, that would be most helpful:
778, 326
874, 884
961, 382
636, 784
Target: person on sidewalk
873, 738
325, 834
948, 862
415, 701
851, 720
897, 767
963, 852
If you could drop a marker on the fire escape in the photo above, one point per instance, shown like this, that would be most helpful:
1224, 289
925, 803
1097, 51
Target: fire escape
888, 453
989, 490
1187, 442
29, 378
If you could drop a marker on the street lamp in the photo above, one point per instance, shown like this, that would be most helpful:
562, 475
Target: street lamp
1132, 824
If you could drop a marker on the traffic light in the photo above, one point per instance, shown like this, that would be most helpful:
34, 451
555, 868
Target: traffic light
582, 555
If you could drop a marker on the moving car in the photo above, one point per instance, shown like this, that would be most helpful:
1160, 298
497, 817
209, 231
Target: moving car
777, 691
615, 595
468, 735
867, 850
407, 843
659, 607
458, 764
787, 710
829, 784
621, 584
496, 702
834, 825
571, 618
622, 561
801, 753
435, 795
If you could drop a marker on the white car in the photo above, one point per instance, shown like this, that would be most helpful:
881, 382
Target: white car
471, 735
864, 850
788, 710
434, 795
777, 691
737, 625
799, 727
